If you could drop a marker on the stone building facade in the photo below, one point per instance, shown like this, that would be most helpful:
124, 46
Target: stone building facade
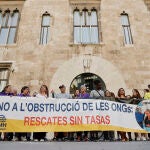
61, 59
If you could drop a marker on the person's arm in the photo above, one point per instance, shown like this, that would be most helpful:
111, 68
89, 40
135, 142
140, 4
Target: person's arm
70, 96
102, 93
54, 95
92, 94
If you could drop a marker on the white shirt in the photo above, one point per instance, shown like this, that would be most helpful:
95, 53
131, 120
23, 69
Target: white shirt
96, 94
41, 96
63, 95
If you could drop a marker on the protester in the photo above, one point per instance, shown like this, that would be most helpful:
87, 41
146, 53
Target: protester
7, 91
122, 98
109, 135
142, 118
136, 99
146, 94
83, 95
109, 95
71, 134
63, 93
25, 92
98, 93
43, 93
61, 135
76, 94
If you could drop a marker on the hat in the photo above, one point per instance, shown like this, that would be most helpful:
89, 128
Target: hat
61, 86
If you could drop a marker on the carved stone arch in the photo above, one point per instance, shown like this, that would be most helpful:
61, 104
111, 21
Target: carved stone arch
99, 66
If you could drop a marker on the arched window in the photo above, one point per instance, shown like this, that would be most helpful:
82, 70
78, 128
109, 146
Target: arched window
9, 24
94, 27
85, 26
45, 27
126, 28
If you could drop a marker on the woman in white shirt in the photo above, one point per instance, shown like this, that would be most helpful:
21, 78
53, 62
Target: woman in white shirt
43, 93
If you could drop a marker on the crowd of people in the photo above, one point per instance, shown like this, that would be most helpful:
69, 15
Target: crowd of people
81, 93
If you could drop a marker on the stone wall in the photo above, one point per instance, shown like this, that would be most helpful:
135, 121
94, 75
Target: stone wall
36, 64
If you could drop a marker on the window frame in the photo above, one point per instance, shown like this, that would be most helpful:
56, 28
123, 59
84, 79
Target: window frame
9, 27
130, 37
42, 28
90, 26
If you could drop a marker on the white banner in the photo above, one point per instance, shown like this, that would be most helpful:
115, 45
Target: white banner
21, 114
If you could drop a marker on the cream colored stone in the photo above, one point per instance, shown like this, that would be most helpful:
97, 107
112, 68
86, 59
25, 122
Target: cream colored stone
60, 61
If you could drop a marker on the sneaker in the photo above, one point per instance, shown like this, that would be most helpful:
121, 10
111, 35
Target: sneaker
138, 138
143, 138
111, 139
71, 139
130, 139
78, 139
86, 139
45, 139
35, 140
15, 139
42, 140
125, 140
28, 139
23, 139
55, 139
65, 139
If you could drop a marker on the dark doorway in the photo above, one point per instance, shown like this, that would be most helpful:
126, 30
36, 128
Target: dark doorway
88, 80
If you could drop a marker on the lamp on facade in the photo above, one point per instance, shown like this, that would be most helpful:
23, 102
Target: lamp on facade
87, 61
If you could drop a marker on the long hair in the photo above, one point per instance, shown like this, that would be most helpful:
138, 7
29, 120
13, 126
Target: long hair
47, 91
146, 90
137, 94
106, 93
119, 92
5, 88
23, 88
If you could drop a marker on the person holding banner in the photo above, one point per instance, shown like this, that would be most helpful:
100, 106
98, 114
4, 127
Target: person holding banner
98, 93
25, 92
62, 94
136, 99
43, 93
76, 94
83, 95
109, 135
122, 98
7, 91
